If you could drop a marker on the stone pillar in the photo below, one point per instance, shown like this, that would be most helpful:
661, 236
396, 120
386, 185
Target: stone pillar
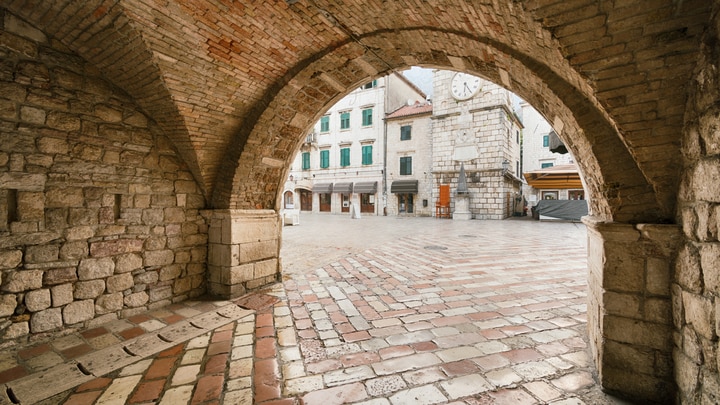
630, 308
462, 207
243, 251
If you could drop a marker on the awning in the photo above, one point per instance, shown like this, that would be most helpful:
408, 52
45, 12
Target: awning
404, 186
366, 188
555, 177
343, 188
322, 188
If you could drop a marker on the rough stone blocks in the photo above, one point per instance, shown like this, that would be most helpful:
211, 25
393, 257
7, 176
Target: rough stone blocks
243, 249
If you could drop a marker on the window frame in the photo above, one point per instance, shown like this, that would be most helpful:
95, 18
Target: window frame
406, 165
324, 159
367, 117
345, 120
370, 85
367, 158
306, 160
344, 157
403, 135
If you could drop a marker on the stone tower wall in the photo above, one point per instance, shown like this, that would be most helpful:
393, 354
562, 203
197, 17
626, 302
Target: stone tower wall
99, 218
696, 285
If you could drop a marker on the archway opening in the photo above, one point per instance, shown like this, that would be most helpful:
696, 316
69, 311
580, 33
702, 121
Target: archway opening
498, 302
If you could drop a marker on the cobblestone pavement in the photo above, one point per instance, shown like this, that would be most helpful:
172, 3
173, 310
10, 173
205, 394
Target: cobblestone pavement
376, 311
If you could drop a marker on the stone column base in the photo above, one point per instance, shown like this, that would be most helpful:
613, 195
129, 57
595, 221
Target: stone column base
630, 308
462, 207
243, 251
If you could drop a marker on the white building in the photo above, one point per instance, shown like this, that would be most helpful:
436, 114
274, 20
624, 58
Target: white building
554, 175
355, 160
341, 165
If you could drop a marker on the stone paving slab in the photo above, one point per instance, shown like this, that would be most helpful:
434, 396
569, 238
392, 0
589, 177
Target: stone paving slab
497, 316
49, 382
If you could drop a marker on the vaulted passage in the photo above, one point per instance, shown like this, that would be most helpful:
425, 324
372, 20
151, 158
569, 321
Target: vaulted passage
144, 145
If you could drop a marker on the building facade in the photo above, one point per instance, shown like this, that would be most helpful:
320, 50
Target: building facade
409, 185
340, 166
397, 167
474, 127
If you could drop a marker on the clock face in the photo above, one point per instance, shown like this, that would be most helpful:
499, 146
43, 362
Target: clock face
464, 86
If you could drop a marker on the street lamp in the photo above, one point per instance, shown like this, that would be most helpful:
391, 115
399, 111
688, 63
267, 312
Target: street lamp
505, 166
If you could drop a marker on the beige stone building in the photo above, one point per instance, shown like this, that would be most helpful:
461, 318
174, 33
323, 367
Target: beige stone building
409, 187
474, 126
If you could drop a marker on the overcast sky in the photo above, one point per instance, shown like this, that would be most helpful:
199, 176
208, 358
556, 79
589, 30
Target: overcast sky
422, 78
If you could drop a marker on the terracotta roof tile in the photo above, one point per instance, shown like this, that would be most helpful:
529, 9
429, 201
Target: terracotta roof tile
408, 110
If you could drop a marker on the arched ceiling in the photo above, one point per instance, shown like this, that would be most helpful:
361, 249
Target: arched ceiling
235, 84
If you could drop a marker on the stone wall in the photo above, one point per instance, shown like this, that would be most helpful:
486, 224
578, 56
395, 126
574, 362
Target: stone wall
696, 286
99, 218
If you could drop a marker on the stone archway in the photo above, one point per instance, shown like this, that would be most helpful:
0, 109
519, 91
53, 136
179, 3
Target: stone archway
613, 178
234, 85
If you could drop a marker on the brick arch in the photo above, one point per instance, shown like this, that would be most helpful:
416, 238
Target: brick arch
209, 73
618, 189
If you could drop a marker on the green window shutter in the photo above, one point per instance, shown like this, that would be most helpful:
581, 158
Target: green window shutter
367, 155
345, 120
306, 160
406, 166
325, 124
367, 117
345, 157
546, 140
544, 165
324, 159
405, 132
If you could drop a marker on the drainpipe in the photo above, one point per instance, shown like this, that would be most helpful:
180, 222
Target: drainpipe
384, 171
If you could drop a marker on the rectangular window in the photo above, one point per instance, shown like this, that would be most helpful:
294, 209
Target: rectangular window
546, 140
345, 157
405, 132
324, 159
325, 124
370, 85
406, 166
544, 165
306, 161
367, 155
345, 120
367, 117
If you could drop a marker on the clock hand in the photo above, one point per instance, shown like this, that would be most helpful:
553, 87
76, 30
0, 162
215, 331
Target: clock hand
468, 88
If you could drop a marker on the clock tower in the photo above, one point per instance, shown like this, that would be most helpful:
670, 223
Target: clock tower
474, 126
